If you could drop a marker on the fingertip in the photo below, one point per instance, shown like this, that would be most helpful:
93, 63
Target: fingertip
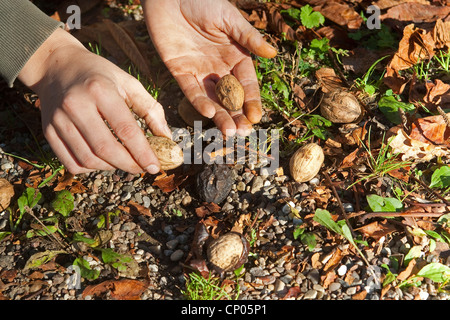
152, 169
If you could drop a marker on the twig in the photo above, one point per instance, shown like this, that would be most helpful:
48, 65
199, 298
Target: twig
431, 190
339, 202
30, 212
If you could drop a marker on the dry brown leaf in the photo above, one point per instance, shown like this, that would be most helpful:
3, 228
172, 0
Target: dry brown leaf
339, 12
416, 12
169, 183
386, 4
328, 278
293, 292
441, 34
402, 276
414, 149
431, 130
279, 26
334, 260
376, 229
207, 209
124, 289
328, 79
360, 295
129, 47
137, 209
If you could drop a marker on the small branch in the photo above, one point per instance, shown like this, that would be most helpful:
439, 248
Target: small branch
431, 190
339, 202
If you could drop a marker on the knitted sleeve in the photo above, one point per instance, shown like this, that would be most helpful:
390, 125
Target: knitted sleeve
23, 29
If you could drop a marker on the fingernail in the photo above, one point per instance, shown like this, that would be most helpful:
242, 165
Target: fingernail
152, 169
168, 132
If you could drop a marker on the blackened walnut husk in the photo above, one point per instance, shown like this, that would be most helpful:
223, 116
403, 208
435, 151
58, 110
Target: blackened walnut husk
214, 183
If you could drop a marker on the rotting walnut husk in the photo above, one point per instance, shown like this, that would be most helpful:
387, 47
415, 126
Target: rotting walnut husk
214, 182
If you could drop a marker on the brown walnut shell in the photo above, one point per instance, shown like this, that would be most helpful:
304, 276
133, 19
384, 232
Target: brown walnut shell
228, 252
189, 114
230, 92
169, 154
340, 106
305, 163
6, 193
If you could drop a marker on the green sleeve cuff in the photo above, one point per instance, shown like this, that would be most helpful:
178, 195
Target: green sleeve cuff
23, 29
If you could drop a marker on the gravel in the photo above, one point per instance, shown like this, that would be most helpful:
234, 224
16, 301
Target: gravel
159, 242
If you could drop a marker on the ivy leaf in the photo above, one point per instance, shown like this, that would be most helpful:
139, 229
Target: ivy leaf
441, 178
63, 202
311, 19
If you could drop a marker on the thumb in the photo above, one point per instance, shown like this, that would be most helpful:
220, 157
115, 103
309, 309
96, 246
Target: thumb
246, 35
146, 107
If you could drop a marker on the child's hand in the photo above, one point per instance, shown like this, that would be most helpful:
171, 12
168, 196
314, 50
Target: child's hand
201, 41
79, 91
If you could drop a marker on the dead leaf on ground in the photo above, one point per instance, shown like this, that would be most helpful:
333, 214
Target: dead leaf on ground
207, 209
339, 12
335, 259
386, 4
415, 12
376, 229
410, 148
292, 293
169, 183
124, 289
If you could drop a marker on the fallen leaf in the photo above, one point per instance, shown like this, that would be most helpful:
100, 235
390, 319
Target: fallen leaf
328, 279
386, 4
124, 289
293, 292
279, 26
415, 12
207, 209
441, 34
414, 149
432, 130
376, 229
328, 79
334, 260
137, 209
360, 295
129, 46
402, 276
169, 183
339, 12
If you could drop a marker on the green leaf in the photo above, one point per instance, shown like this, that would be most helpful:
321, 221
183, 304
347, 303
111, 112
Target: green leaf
309, 18
29, 198
324, 218
85, 269
435, 271
298, 232
389, 106
41, 232
413, 253
4, 234
441, 178
380, 204
63, 202
309, 239
79, 237
40, 258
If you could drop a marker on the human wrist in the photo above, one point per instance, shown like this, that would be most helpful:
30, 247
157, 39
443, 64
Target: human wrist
40, 63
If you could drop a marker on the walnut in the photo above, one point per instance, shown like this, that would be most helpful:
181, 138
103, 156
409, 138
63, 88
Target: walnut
305, 163
228, 252
230, 92
170, 155
6, 193
340, 106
